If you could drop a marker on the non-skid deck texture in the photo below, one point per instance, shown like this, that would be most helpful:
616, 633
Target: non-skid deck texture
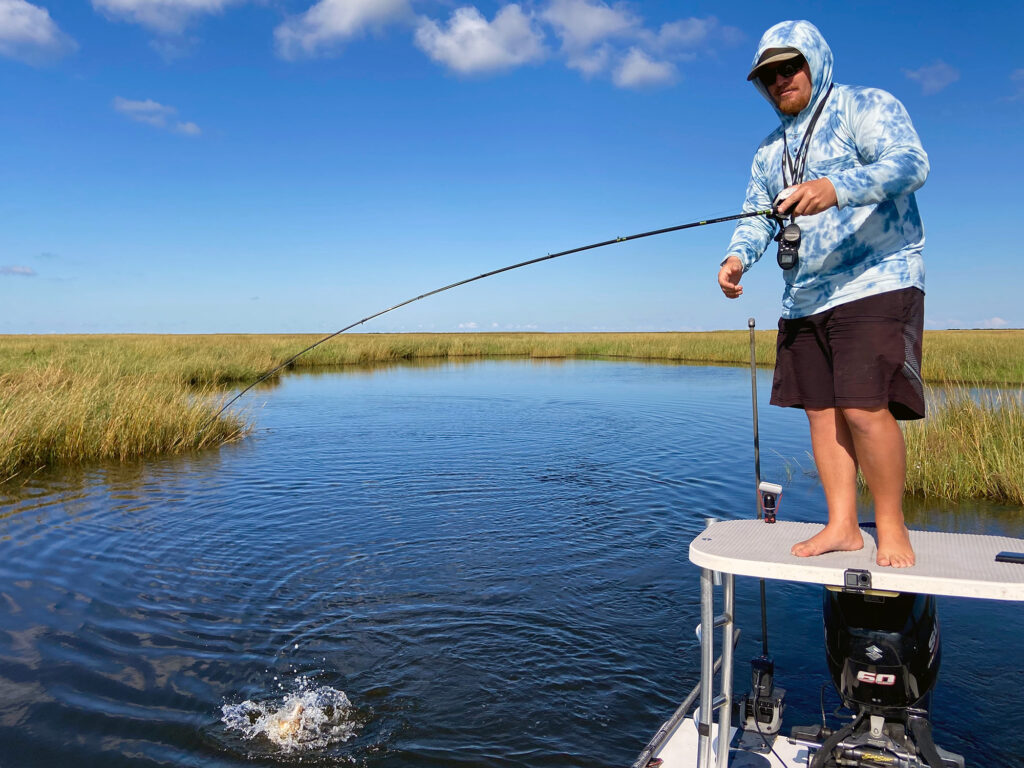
680, 750
952, 564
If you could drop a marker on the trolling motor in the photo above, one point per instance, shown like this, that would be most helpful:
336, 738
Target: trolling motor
883, 654
760, 711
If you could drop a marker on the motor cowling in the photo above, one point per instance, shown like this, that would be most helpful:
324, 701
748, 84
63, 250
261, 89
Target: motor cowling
883, 649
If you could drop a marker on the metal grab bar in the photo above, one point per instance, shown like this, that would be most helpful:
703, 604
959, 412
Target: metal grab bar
706, 756
669, 726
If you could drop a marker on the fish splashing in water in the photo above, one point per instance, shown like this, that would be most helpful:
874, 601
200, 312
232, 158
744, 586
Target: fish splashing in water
304, 720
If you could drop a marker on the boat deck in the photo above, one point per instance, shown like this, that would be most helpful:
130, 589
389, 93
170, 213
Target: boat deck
949, 564
680, 751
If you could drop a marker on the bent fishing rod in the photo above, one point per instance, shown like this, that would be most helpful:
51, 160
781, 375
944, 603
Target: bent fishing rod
493, 272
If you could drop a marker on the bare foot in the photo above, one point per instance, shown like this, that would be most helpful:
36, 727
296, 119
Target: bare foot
833, 538
894, 546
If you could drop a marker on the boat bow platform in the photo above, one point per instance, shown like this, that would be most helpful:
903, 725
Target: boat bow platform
948, 564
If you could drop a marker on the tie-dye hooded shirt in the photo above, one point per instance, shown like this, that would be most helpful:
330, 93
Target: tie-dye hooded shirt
865, 144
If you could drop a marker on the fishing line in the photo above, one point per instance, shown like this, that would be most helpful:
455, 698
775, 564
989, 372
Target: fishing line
509, 268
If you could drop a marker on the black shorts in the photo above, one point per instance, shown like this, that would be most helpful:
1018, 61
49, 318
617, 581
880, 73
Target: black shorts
863, 354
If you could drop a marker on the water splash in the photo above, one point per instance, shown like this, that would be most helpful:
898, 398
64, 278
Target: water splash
307, 719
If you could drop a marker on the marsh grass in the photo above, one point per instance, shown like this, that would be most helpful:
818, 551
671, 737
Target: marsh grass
71, 399
971, 445
974, 357
55, 415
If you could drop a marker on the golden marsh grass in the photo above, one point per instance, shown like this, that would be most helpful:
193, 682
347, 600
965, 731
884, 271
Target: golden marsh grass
57, 414
970, 445
72, 399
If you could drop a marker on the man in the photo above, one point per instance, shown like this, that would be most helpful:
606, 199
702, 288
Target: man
849, 343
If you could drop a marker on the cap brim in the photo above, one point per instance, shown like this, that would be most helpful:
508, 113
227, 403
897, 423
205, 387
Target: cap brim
768, 58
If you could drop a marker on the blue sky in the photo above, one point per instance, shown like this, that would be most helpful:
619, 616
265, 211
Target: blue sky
289, 165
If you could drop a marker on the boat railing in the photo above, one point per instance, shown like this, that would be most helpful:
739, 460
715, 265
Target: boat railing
709, 703
670, 725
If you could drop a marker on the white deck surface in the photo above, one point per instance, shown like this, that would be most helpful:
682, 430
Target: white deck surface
680, 750
952, 564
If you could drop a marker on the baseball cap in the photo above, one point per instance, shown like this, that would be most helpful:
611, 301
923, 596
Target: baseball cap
773, 56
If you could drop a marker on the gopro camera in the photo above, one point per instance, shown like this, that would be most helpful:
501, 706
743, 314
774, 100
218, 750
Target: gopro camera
789, 234
789, 246
769, 495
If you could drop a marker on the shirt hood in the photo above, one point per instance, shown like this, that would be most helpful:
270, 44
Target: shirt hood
806, 38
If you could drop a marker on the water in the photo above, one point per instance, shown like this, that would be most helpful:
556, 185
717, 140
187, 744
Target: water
457, 565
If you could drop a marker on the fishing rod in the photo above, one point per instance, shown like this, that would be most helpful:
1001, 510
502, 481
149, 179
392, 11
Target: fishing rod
493, 272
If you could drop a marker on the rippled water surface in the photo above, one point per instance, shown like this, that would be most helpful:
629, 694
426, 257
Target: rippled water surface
459, 565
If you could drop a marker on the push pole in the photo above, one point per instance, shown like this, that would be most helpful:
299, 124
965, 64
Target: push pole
757, 475
753, 395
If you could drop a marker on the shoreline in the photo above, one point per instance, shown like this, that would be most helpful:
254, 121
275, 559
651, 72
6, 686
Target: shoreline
69, 399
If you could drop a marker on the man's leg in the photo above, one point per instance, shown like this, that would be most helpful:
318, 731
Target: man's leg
835, 455
878, 442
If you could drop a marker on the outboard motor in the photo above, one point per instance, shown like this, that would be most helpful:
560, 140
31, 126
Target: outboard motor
883, 653
883, 650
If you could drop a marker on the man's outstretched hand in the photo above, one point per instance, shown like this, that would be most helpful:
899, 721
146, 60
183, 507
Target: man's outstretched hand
729, 277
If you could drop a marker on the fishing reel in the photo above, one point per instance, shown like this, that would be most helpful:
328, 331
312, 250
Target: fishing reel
789, 234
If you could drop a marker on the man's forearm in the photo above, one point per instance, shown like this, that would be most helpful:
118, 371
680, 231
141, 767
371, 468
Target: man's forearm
751, 240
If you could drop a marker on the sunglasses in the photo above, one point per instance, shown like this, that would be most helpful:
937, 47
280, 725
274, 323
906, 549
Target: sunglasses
787, 68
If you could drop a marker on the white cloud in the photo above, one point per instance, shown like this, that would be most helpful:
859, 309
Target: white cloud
189, 129
598, 37
586, 27
470, 326
155, 114
331, 22
1017, 78
686, 33
147, 111
164, 16
993, 323
471, 44
582, 23
933, 77
173, 47
638, 70
592, 62
18, 270
27, 33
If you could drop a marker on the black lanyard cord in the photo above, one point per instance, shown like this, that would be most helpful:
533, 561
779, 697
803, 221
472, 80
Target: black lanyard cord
796, 167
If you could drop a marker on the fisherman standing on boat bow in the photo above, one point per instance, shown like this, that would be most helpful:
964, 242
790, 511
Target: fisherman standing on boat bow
847, 161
